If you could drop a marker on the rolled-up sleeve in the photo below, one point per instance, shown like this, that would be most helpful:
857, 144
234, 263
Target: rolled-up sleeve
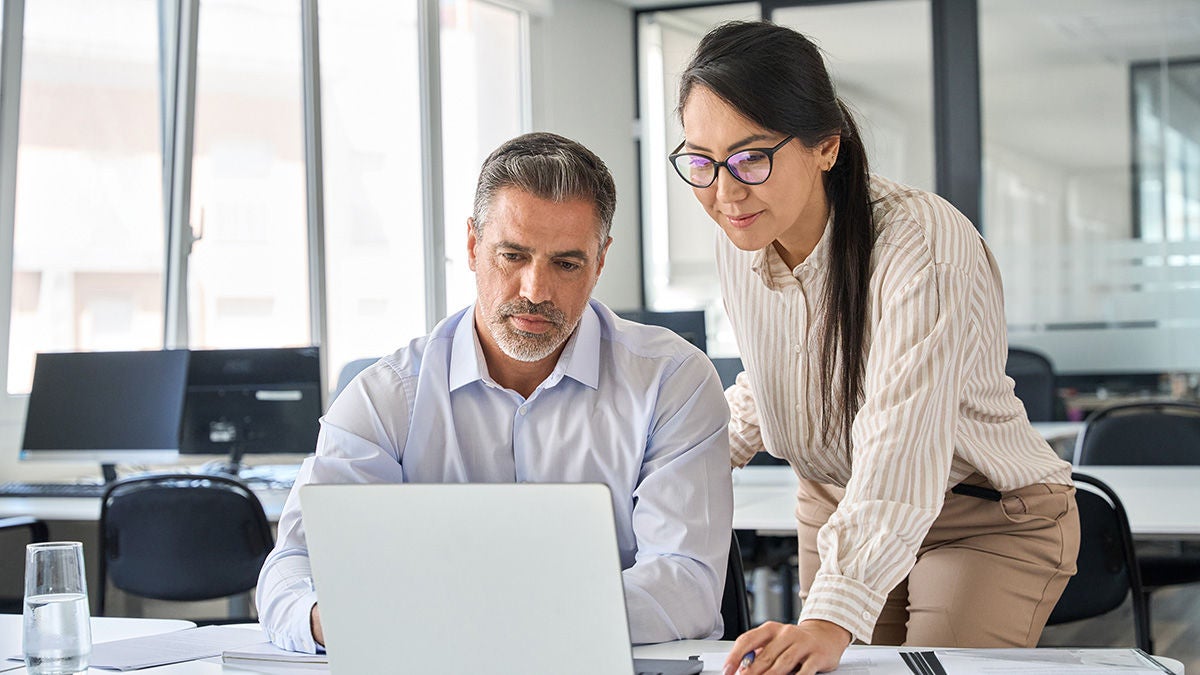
683, 511
745, 434
354, 446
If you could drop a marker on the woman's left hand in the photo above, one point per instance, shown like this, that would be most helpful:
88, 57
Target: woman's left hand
807, 648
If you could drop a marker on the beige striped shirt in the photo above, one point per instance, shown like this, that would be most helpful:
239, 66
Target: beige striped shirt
937, 405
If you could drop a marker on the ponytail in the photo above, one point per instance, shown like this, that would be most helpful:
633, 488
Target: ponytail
851, 239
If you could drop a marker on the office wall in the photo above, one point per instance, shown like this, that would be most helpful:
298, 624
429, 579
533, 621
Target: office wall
582, 81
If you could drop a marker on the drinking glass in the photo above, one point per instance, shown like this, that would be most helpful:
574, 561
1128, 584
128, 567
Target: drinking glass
57, 637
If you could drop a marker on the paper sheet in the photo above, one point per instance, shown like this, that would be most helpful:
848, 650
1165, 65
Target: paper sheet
174, 647
883, 661
265, 651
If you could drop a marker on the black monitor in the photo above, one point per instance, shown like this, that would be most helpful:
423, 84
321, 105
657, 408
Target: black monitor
109, 407
687, 324
252, 401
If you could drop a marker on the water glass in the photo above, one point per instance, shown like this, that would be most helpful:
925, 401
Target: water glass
57, 637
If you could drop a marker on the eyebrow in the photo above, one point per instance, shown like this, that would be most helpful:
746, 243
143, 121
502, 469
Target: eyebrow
747, 140
513, 246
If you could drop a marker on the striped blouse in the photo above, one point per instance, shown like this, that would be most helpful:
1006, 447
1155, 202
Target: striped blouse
937, 405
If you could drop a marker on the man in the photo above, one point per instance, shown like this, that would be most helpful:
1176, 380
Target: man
537, 382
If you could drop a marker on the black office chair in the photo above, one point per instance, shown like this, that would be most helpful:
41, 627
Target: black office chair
1107, 567
1033, 374
735, 603
38, 532
1156, 433
182, 537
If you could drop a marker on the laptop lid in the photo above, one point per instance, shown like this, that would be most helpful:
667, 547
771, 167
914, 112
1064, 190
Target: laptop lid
468, 578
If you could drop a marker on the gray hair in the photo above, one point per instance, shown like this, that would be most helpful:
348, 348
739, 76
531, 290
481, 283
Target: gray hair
550, 167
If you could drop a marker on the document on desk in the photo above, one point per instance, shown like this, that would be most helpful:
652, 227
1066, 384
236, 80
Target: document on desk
175, 647
265, 651
1044, 661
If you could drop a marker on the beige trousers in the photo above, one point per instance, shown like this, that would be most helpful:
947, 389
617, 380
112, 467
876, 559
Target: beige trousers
988, 574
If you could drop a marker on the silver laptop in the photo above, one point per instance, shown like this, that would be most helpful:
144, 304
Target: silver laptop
471, 578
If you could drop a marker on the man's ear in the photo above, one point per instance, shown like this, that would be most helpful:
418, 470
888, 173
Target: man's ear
600, 258
471, 243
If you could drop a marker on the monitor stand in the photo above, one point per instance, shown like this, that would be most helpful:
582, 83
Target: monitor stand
109, 471
232, 466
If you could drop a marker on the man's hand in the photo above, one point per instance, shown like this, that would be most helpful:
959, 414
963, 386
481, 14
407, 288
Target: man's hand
806, 648
314, 622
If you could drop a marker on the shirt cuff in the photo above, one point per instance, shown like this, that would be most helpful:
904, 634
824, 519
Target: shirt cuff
846, 602
294, 631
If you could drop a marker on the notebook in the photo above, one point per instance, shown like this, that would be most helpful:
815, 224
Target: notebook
471, 578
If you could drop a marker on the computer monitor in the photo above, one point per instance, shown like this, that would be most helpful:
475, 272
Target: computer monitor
109, 407
252, 401
687, 324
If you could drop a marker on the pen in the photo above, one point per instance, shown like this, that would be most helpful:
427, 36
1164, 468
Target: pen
746, 661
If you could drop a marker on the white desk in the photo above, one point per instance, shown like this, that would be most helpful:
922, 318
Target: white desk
685, 648
84, 508
1162, 502
106, 628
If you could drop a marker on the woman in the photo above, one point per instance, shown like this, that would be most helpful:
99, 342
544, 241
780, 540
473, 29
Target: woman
870, 319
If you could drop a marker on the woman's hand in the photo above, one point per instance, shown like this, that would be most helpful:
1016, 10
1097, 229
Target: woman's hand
807, 648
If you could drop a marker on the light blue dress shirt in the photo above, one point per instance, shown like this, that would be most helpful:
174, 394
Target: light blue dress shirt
632, 406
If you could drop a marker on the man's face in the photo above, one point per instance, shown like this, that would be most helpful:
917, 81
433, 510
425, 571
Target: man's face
536, 263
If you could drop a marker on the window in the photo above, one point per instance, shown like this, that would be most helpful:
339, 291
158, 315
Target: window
483, 93
373, 199
1092, 180
248, 272
88, 229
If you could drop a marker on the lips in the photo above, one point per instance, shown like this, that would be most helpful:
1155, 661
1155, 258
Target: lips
531, 323
742, 221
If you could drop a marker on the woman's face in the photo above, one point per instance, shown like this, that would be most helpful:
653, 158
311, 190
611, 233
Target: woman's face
789, 209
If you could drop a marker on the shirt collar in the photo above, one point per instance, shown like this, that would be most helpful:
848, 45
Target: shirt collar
580, 359
466, 355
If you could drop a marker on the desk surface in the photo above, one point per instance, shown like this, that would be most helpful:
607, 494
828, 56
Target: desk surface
1162, 502
83, 508
109, 628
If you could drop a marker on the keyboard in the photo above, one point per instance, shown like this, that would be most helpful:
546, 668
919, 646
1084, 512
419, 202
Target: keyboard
20, 489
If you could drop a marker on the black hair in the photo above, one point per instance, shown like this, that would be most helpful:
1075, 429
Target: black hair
776, 78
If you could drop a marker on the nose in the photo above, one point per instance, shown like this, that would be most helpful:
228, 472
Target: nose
536, 283
729, 189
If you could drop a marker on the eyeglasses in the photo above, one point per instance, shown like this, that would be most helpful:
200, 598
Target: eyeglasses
751, 166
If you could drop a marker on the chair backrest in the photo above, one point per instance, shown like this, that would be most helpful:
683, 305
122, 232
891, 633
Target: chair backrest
1034, 377
182, 537
1107, 568
1150, 433
735, 604
728, 369
348, 372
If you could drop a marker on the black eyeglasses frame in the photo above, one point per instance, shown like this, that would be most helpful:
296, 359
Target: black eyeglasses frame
769, 152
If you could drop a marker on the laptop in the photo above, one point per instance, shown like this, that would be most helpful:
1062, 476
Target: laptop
471, 578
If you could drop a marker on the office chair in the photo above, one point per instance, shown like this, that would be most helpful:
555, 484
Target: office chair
182, 537
1153, 433
735, 603
1034, 377
38, 532
348, 372
1107, 566
687, 324
727, 369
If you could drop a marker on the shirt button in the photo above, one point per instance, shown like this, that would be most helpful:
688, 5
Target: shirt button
798, 348
866, 615
523, 409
